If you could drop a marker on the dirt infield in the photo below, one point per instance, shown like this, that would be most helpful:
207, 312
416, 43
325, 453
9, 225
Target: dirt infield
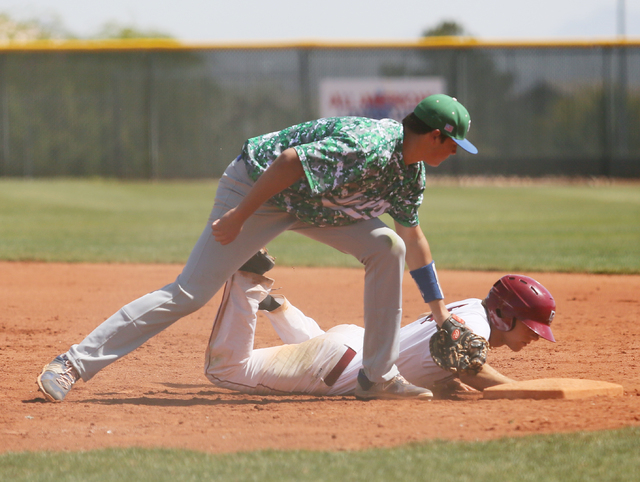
158, 395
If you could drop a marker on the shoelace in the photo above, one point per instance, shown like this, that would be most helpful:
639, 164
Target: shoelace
67, 378
398, 379
402, 380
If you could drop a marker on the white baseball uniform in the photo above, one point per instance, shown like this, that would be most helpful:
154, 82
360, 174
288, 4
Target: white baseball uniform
311, 361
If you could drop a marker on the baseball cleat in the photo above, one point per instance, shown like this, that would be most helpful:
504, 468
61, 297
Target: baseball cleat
259, 263
57, 378
395, 389
269, 304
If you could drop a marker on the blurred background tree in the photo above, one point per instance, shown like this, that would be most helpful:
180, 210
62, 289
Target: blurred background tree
447, 28
116, 30
50, 27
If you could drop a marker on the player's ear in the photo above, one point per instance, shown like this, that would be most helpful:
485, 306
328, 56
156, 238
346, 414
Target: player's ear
434, 134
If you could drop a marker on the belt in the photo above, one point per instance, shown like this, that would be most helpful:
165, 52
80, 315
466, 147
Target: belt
334, 374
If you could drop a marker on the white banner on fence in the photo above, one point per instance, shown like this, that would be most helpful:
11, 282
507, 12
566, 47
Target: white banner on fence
374, 97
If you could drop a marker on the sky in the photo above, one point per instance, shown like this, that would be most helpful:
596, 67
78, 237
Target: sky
273, 20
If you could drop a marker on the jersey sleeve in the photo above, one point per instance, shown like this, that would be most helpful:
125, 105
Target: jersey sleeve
474, 316
409, 199
407, 213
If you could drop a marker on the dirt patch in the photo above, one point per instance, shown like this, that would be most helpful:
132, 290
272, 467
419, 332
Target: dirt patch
158, 395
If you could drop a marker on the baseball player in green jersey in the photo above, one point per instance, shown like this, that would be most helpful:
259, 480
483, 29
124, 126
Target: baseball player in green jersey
330, 180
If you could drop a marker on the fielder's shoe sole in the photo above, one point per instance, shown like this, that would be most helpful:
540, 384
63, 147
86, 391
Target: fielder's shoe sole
259, 263
57, 378
395, 389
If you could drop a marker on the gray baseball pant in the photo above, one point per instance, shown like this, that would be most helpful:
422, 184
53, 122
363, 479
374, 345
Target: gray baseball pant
373, 243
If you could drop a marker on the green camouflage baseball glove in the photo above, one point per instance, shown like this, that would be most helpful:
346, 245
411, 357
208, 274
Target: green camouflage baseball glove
457, 349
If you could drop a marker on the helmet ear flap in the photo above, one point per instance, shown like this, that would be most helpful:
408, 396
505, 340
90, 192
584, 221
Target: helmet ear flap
495, 310
507, 318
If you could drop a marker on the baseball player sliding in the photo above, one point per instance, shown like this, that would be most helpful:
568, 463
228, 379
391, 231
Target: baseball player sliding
517, 311
329, 180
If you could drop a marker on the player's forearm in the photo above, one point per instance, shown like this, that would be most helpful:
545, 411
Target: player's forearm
439, 311
418, 250
281, 174
419, 255
487, 377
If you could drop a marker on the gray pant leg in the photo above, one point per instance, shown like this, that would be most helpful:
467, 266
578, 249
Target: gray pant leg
209, 266
382, 252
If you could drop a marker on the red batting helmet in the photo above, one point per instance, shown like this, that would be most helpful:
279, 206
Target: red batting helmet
519, 297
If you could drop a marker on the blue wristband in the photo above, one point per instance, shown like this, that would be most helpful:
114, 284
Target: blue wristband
427, 280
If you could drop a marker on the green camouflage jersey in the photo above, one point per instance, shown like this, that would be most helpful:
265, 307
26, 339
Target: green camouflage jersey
354, 170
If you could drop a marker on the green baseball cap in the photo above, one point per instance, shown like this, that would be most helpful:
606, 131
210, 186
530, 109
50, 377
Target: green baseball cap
445, 113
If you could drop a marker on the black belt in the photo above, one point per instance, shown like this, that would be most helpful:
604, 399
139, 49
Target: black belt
334, 374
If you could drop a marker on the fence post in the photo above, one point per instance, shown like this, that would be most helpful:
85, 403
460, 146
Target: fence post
4, 117
607, 111
152, 118
459, 91
622, 127
304, 79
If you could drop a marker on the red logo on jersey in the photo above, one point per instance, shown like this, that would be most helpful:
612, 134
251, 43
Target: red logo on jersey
455, 335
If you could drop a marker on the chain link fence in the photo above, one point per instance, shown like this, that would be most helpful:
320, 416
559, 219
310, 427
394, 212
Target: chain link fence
184, 112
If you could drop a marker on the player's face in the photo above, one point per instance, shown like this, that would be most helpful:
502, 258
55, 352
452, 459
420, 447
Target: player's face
443, 149
520, 336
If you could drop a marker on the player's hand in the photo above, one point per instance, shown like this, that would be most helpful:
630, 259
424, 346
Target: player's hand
227, 228
451, 389
463, 387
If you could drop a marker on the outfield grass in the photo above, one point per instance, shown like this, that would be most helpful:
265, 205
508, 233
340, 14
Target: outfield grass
580, 457
96, 220
535, 228
573, 228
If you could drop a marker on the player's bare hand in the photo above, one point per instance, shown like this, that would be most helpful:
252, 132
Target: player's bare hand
452, 389
463, 387
227, 228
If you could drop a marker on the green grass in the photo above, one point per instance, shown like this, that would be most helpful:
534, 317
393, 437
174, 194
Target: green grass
596, 456
572, 228
96, 220
535, 228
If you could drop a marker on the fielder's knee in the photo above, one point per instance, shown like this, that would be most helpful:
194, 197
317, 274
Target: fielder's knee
387, 245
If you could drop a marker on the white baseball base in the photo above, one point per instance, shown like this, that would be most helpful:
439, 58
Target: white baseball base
553, 388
